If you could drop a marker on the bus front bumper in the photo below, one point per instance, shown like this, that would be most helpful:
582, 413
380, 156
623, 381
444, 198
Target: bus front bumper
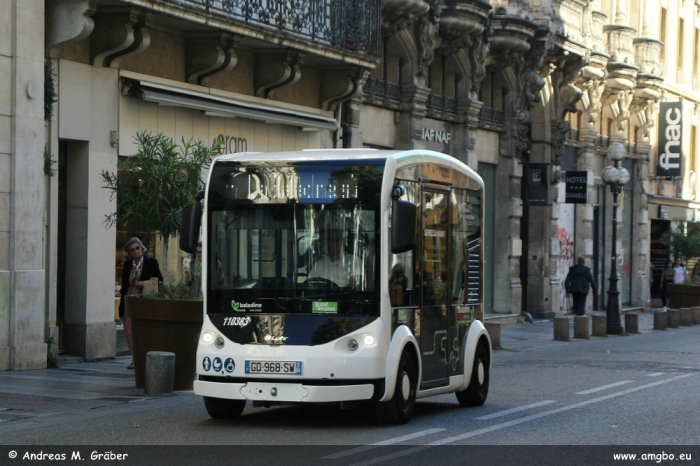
283, 392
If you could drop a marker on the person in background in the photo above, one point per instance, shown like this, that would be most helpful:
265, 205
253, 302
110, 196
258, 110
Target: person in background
695, 276
195, 270
680, 272
576, 284
136, 271
666, 278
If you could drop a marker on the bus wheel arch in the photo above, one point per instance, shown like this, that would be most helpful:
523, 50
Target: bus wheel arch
399, 409
402, 341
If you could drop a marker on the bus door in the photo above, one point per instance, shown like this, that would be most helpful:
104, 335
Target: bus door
435, 287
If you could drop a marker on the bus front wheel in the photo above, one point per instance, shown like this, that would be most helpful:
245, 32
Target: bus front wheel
399, 409
219, 408
478, 389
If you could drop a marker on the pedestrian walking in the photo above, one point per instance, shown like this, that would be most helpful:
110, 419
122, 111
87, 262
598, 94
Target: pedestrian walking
577, 281
666, 279
680, 272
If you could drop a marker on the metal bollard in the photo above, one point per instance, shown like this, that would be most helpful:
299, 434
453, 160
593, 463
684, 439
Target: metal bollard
494, 330
686, 316
696, 315
160, 372
660, 320
631, 322
582, 325
561, 328
674, 318
600, 325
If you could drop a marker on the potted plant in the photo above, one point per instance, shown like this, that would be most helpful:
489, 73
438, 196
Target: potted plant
153, 187
684, 242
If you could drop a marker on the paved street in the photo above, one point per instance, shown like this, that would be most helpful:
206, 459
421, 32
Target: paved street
623, 390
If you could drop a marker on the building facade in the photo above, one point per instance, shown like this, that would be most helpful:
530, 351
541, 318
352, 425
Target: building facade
523, 91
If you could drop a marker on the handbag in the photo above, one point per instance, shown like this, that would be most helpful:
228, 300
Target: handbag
150, 286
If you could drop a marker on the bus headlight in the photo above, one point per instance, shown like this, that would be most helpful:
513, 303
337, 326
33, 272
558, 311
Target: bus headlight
208, 337
369, 340
219, 342
352, 345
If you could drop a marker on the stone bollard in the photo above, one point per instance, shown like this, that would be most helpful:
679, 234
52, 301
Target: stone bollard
696, 315
631, 322
686, 316
561, 328
582, 325
660, 320
600, 325
674, 318
494, 330
160, 372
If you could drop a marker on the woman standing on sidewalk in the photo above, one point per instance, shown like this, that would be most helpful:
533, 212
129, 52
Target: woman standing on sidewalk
136, 271
666, 278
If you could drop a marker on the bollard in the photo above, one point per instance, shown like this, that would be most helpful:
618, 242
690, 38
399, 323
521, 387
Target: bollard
674, 318
582, 325
160, 372
631, 322
561, 328
686, 316
494, 330
600, 325
696, 315
660, 320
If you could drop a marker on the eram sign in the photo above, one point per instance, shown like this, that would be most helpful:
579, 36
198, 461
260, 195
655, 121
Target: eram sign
670, 139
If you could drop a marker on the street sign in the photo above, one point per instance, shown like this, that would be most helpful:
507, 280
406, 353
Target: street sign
536, 185
576, 187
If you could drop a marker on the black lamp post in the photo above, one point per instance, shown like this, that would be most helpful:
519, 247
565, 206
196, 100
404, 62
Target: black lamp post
616, 177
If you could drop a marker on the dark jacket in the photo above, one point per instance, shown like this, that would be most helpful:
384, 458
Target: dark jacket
578, 279
150, 268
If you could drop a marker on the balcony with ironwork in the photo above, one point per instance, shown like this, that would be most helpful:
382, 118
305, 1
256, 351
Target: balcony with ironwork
383, 93
334, 28
440, 106
490, 118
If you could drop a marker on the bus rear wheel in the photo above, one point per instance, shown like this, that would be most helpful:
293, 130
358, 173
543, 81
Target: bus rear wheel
399, 409
219, 408
478, 389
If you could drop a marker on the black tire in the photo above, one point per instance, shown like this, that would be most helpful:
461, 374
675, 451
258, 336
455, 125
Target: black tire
399, 409
475, 394
219, 408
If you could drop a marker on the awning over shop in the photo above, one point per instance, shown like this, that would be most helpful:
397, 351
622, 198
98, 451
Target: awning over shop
226, 107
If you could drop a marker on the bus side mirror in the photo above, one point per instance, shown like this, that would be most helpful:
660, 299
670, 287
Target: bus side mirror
191, 220
403, 226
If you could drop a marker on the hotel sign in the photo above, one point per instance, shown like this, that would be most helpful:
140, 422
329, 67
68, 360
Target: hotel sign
670, 139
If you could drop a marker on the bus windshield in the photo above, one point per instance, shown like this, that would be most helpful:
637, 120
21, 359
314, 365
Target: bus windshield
293, 238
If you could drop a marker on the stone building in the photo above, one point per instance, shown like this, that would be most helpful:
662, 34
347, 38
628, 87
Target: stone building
520, 90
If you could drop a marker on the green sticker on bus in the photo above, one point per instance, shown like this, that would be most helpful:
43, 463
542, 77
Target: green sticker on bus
324, 307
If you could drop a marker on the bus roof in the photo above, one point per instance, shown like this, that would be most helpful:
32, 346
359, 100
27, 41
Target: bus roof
402, 157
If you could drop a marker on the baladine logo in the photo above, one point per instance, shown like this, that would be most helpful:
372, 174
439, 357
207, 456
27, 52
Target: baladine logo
242, 307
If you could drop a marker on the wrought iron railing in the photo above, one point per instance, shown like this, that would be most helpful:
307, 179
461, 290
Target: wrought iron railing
442, 103
491, 115
380, 88
346, 24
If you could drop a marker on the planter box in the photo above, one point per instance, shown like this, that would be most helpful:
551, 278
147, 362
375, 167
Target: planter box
166, 325
684, 296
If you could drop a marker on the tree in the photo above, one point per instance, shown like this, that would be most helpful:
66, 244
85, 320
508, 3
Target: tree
684, 240
157, 183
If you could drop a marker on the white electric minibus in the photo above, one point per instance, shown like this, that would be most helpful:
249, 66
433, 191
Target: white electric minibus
340, 276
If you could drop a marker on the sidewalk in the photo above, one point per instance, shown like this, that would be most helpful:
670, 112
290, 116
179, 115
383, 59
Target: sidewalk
540, 334
76, 386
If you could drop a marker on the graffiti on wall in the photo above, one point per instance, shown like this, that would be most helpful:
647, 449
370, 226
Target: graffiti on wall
565, 237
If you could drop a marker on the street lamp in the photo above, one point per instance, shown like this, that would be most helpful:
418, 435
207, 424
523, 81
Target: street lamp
616, 177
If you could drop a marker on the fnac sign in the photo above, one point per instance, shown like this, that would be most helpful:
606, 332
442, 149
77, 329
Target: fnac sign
670, 139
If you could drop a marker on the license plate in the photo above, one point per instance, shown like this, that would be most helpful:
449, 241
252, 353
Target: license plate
273, 367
